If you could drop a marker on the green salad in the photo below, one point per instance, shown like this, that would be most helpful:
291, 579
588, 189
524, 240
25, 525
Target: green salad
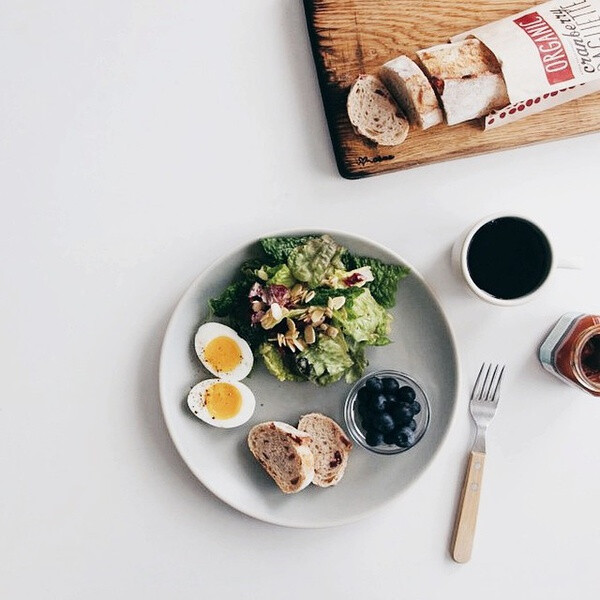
310, 308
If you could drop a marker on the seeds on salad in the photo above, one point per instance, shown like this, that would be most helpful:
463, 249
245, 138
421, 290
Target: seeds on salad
328, 313
309, 296
332, 331
292, 331
300, 344
262, 274
309, 334
276, 311
337, 302
317, 314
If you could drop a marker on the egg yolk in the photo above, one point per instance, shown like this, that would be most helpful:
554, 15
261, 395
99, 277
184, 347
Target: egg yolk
223, 400
223, 354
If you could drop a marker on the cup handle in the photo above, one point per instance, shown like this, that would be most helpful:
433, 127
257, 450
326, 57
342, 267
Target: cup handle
572, 262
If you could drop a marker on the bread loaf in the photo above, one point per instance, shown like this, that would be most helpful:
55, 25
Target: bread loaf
466, 77
412, 91
330, 447
284, 453
374, 114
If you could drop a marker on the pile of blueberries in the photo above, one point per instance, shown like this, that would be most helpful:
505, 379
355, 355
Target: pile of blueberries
387, 412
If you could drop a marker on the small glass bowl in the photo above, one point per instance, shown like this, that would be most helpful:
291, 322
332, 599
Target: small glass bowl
352, 417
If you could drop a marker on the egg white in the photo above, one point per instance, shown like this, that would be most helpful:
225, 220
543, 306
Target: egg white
208, 332
197, 403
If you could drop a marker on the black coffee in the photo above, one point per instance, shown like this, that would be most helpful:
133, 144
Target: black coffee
508, 258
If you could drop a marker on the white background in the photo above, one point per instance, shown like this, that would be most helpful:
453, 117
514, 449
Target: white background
139, 141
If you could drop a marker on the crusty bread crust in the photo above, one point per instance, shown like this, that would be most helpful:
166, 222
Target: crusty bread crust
467, 78
374, 114
412, 91
284, 452
330, 447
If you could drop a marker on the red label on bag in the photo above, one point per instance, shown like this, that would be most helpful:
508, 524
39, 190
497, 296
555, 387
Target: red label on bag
552, 52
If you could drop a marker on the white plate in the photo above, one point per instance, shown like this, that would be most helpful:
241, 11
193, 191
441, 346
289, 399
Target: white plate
423, 346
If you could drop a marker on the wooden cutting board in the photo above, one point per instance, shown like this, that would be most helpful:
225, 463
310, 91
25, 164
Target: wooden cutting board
350, 37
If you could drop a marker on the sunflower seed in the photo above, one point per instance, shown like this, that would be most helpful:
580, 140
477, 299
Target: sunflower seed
309, 334
317, 315
337, 302
309, 296
332, 331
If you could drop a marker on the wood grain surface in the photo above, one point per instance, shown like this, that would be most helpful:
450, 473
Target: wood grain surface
350, 37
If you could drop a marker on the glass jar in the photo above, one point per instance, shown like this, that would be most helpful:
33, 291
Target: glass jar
572, 351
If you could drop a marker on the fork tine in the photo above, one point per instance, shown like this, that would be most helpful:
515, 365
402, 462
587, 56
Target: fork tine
496, 392
475, 387
488, 392
483, 391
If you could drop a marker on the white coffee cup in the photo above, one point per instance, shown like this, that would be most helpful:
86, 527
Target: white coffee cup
460, 256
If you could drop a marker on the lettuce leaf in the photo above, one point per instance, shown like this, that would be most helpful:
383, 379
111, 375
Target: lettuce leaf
278, 249
275, 364
280, 275
386, 277
365, 321
357, 353
325, 361
315, 260
226, 303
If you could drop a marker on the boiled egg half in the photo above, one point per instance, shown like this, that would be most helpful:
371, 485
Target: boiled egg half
223, 352
222, 403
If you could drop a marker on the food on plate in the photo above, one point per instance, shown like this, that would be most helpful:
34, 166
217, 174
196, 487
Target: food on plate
223, 352
330, 447
387, 412
284, 453
412, 91
222, 403
310, 308
374, 114
467, 78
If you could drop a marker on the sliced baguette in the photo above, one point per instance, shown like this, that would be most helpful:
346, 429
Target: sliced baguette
330, 447
374, 114
284, 453
466, 77
412, 91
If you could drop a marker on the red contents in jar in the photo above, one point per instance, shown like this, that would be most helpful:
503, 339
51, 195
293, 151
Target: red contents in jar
590, 358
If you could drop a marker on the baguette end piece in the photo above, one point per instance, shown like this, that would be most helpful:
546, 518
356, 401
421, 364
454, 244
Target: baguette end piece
374, 114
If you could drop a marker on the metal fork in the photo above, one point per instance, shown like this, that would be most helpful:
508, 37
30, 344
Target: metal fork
483, 404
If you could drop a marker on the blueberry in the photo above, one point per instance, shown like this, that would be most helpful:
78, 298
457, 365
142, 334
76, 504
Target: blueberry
416, 407
390, 437
363, 393
366, 421
412, 425
377, 404
383, 422
406, 393
374, 385
405, 438
362, 406
402, 413
374, 438
390, 385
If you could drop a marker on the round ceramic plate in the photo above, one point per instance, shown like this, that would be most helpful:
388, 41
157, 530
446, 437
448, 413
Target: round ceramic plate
423, 347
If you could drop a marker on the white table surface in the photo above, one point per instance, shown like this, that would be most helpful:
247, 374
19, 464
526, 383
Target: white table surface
142, 140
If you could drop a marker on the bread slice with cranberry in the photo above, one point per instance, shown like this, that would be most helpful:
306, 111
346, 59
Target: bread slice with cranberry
374, 114
412, 91
330, 447
284, 453
467, 78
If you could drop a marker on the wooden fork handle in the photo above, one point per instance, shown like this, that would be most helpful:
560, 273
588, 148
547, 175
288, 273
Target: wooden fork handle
466, 516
